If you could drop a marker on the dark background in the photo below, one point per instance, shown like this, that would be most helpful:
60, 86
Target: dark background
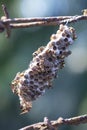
69, 94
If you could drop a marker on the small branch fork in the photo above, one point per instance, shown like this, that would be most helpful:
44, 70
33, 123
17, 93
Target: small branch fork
7, 23
53, 125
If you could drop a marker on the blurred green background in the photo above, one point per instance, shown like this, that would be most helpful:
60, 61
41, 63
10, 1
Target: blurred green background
69, 94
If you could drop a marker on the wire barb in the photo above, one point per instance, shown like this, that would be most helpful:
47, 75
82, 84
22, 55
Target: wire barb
6, 25
56, 123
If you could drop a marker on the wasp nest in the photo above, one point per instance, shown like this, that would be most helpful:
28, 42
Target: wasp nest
31, 83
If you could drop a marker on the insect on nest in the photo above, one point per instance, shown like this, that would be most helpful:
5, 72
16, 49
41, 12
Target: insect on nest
31, 83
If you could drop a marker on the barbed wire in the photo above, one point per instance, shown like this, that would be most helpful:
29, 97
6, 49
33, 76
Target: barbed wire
54, 125
7, 24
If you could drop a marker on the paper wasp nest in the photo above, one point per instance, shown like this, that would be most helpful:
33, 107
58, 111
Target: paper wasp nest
31, 83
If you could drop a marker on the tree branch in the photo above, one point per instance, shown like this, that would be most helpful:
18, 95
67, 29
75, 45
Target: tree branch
7, 23
53, 125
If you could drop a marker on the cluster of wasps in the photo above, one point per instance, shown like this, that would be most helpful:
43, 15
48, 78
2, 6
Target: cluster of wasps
43, 69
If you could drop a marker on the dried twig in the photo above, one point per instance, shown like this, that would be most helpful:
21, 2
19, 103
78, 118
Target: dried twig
53, 125
7, 23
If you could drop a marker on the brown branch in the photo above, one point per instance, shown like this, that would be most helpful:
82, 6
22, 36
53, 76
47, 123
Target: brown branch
7, 23
53, 125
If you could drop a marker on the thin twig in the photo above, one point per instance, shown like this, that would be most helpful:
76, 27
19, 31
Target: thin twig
53, 125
